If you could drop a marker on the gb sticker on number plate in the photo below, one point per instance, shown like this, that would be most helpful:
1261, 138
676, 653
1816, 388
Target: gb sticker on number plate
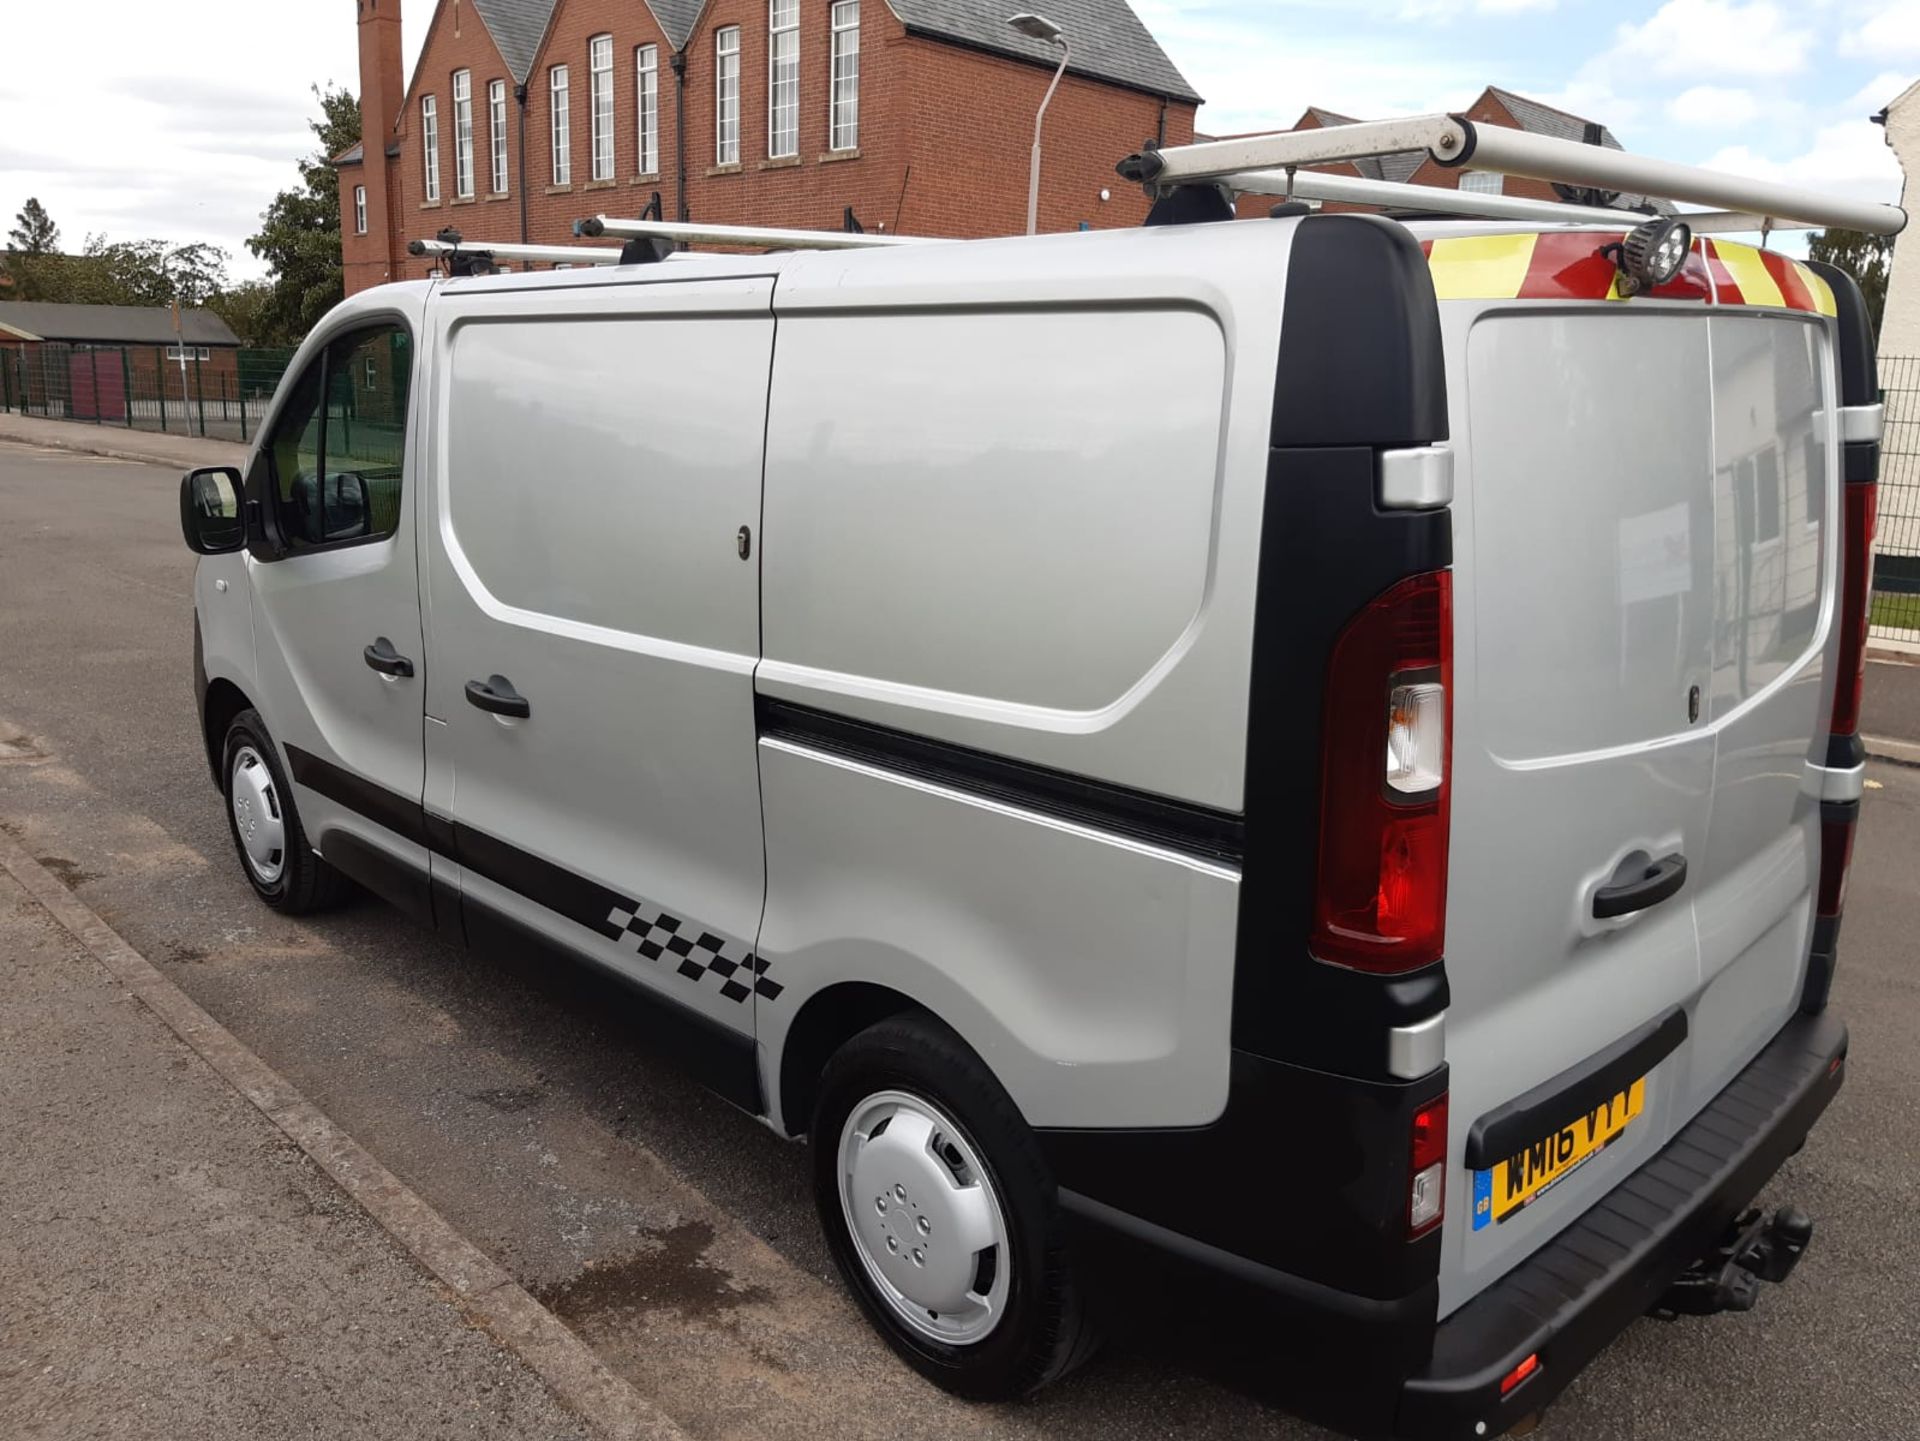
1523, 1179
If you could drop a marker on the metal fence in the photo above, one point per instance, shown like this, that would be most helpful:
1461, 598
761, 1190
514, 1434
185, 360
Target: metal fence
1896, 565
212, 392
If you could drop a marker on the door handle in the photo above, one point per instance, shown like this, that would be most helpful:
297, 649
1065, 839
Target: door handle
496, 694
1662, 881
384, 658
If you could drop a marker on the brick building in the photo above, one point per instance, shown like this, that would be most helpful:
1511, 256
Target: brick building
917, 115
1415, 167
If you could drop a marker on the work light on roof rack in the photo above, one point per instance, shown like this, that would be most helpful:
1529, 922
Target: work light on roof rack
1652, 254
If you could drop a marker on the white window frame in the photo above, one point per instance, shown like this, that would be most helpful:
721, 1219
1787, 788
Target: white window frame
726, 95
497, 133
195, 353
843, 77
463, 134
783, 79
430, 145
646, 64
359, 210
600, 106
1483, 182
560, 123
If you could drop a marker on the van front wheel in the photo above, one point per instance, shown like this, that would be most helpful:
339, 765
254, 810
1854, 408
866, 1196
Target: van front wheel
267, 834
940, 1213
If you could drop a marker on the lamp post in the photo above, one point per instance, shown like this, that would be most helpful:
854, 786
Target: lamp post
1040, 28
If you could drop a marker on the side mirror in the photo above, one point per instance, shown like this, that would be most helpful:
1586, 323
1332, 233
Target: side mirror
211, 517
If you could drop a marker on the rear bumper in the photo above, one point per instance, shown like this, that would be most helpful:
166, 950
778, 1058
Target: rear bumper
1383, 1368
1569, 1299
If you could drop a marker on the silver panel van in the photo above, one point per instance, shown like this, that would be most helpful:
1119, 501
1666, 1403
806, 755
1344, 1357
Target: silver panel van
1316, 757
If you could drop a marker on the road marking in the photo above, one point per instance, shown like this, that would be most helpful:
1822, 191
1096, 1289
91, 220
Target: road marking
490, 1297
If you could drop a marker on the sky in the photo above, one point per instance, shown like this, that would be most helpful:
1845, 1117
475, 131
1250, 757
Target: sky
181, 121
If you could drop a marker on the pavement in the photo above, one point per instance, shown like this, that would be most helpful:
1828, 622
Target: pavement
179, 451
671, 1236
176, 1266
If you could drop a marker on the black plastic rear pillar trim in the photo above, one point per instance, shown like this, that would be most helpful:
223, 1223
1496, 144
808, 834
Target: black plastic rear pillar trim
1360, 370
1859, 370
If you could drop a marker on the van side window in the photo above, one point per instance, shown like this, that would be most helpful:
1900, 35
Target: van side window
337, 451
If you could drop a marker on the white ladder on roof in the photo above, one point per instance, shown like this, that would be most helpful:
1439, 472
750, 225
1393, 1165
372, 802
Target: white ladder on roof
1272, 165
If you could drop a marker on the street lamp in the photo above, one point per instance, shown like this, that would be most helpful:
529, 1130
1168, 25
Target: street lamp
1040, 28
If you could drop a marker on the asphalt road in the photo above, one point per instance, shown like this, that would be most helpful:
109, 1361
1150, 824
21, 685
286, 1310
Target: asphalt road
677, 1236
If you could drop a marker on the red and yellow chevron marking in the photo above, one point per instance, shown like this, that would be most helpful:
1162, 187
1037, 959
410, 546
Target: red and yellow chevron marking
1568, 265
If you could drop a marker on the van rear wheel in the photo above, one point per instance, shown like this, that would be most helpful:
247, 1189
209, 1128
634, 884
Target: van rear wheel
941, 1215
267, 835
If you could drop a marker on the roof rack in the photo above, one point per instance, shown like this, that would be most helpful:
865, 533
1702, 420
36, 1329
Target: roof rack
1259, 163
774, 237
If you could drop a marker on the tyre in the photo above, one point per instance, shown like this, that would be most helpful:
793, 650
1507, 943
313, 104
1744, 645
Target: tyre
274, 853
941, 1215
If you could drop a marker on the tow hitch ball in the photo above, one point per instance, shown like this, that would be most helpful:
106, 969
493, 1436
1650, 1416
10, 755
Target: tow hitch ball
1758, 1248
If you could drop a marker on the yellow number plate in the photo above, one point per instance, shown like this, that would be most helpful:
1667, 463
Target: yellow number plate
1524, 1178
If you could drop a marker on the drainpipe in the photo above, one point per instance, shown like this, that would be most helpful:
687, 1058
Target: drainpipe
1161, 139
679, 64
520, 96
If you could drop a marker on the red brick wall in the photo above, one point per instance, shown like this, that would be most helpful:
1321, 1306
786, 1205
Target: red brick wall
969, 117
458, 41
962, 120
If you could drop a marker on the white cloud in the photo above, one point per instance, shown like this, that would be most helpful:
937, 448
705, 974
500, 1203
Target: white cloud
1891, 33
1713, 106
1257, 76
1850, 159
129, 123
1877, 93
1716, 37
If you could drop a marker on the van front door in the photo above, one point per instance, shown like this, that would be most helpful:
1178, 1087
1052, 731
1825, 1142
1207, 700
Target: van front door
336, 606
593, 626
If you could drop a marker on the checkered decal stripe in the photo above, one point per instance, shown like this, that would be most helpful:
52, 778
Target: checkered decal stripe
649, 931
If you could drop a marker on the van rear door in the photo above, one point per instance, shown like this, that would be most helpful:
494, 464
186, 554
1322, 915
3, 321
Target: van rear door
1643, 562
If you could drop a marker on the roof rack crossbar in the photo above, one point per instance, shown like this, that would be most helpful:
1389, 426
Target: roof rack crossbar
539, 254
1452, 141
747, 235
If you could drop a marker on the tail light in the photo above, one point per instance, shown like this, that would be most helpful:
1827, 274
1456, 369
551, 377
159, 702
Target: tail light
1380, 903
1427, 1191
1856, 594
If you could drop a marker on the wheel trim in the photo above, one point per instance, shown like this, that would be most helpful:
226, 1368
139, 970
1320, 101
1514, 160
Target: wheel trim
924, 1218
259, 819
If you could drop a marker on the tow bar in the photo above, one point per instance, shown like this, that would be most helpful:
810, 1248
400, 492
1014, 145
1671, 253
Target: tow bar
1757, 1248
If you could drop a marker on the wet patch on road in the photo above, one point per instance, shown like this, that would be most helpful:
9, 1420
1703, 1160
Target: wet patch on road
72, 875
673, 1275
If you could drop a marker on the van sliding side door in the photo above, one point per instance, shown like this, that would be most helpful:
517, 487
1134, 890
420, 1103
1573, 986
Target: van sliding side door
593, 626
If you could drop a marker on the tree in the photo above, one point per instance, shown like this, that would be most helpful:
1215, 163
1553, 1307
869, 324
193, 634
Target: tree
300, 231
1864, 257
34, 232
244, 308
130, 272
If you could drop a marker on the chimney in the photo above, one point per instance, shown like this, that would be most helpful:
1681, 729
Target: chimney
382, 88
